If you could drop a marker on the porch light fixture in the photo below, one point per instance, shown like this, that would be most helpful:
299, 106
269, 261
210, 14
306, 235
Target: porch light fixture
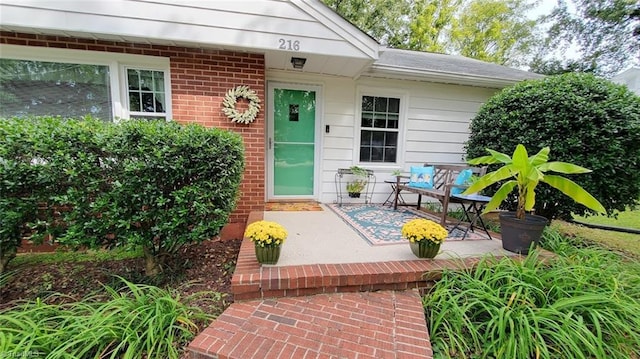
298, 62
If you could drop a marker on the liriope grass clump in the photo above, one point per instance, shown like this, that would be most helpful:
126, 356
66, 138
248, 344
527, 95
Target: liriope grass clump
5, 278
136, 321
583, 304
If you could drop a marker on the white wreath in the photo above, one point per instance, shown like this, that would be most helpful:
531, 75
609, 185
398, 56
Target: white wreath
230, 100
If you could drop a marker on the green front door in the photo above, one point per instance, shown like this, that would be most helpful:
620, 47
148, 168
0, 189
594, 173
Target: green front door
294, 123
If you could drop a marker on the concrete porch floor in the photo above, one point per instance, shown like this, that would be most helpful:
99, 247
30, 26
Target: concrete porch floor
324, 238
332, 295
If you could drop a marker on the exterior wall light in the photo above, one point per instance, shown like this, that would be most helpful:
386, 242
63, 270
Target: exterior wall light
298, 62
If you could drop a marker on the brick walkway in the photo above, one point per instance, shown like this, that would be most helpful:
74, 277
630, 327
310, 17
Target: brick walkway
365, 325
349, 310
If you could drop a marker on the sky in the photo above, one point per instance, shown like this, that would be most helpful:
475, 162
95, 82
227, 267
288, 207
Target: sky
543, 8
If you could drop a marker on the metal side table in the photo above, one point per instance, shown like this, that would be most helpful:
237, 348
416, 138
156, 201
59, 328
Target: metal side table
472, 206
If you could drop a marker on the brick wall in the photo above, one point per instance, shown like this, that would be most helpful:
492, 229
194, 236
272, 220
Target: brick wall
199, 80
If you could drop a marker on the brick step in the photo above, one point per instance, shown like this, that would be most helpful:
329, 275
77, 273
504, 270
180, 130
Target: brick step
364, 325
253, 281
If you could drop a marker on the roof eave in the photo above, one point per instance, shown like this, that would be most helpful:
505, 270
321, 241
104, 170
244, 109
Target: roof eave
406, 73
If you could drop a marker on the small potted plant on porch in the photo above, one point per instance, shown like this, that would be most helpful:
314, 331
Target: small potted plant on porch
520, 229
425, 237
359, 182
267, 238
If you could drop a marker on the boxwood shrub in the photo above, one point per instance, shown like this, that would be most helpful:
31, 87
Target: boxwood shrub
585, 120
159, 185
21, 182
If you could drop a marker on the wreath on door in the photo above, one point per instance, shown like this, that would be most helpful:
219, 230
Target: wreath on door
231, 99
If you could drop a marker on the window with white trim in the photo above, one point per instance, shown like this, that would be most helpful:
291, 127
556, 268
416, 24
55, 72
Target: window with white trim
379, 129
146, 92
38, 81
42, 88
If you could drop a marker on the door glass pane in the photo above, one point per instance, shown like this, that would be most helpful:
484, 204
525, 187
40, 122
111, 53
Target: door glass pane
38, 88
293, 169
301, 130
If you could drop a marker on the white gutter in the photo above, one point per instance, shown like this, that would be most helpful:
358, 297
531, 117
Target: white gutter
408, 73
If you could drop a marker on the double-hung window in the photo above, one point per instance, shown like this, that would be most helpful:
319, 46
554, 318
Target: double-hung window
74, 83
146, 92
379, 129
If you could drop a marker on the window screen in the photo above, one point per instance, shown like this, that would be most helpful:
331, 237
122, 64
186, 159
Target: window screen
37, 88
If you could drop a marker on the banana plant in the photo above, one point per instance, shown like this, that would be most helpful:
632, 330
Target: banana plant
526, 172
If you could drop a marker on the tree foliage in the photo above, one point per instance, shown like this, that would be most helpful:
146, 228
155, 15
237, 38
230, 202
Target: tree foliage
605, 34
584, 120
495, 31
431, 24
490, 30
384, 20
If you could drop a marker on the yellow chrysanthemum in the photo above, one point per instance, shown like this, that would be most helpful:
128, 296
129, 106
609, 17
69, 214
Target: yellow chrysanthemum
421, 229
266, 233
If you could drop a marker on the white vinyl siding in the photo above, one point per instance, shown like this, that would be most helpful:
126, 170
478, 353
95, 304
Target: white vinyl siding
236, 24
435, 128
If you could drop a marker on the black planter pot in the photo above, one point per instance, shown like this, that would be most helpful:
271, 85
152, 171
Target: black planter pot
517, 234
354, 194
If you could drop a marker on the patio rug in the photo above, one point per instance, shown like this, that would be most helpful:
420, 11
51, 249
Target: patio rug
292, 206
380, 225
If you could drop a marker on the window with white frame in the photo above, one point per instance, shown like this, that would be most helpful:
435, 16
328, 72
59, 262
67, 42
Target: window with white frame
74, 83
41, 88
379, 129
146, 94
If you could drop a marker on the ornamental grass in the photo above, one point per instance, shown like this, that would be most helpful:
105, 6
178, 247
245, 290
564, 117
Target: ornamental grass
583, 304
137, 321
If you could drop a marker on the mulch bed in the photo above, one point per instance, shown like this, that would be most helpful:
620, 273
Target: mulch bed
207, 266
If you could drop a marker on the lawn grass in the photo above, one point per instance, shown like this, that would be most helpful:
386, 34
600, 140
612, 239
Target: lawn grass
627, 243
626, 219
63, 256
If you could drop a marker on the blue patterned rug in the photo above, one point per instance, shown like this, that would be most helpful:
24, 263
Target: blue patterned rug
380, 225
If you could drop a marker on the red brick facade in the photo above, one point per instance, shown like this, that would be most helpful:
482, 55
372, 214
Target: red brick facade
199, 81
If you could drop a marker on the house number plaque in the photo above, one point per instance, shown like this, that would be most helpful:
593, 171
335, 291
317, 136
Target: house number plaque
288, 44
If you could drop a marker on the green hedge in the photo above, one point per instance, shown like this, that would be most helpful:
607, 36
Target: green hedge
585, 120
155, 184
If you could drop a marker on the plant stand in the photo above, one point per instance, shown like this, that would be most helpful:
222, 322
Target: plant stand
341, 191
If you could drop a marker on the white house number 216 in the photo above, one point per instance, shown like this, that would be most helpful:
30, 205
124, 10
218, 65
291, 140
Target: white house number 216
291, 45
